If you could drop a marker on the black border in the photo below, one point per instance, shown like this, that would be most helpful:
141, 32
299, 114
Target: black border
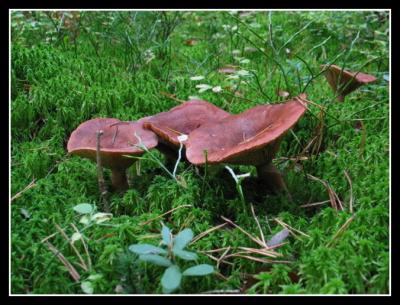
216, 4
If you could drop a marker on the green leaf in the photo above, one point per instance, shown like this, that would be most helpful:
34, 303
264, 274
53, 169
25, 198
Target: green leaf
83, 208
166, 235
171, 279
198, 270
186, 255
155, 259
182, 239
146, 249
87, 287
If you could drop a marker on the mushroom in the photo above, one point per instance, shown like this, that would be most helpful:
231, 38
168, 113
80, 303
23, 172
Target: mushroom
181, 120
118, 140
249, 138
343, 81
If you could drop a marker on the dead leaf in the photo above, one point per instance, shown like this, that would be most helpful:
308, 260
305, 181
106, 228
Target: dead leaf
191, 42
283, 93
229, 69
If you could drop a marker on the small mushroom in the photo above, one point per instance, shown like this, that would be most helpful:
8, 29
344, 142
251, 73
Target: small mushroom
181, 120
118, 140
249, 138
343, 81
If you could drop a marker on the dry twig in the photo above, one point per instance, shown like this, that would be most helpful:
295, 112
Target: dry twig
84, 246
168, 212
291, 229
83, 264
340, 231
29, 186
201, 235
100, 176
72, 271
351, 191
256, 240
333, 197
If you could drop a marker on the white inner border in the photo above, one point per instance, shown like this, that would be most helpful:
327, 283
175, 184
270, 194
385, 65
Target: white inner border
208, 10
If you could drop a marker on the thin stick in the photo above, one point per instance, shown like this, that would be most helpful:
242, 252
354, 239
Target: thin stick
213, 250
341, 230
334, 198
100, 176
261, 260
230, 291
29, 186
289, 227
72, 271
201, 235
313, 204
168, 212
351, 191
171, 96
256, 240
221, 276
258, 225
83, 264
221, 258
261, 251
216, 259
85, 247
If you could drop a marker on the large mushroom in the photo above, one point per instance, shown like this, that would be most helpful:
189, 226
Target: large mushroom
117, 141
343, 81
249, 138
181, 120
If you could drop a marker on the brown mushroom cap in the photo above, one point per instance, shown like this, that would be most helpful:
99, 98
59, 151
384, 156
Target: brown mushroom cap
117, 140
348, 81
252, 137
183, 119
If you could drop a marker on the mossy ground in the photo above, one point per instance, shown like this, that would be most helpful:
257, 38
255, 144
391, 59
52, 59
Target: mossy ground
97, 64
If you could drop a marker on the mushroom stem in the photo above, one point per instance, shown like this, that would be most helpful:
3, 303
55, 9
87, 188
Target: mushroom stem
272, 178
119, 179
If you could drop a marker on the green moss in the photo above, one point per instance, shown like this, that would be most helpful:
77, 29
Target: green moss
59, 80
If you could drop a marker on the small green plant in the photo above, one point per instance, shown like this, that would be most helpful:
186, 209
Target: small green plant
238, 179
166, 256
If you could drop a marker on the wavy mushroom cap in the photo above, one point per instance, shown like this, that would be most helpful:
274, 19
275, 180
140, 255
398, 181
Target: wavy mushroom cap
117, 140
183, 119
348, 81
252, 137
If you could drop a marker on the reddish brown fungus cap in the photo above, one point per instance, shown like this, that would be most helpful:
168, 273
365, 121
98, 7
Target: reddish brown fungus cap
346, 81
251, 137
117, 140
183, 119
